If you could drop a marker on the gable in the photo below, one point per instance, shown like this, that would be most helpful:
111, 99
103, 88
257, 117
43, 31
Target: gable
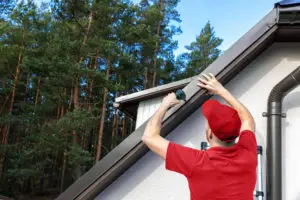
148, 178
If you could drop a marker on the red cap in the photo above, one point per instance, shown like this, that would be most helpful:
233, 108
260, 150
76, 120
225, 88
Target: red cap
223, 120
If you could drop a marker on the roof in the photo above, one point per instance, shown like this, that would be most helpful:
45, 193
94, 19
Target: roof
288, 11
287, 3
226, 67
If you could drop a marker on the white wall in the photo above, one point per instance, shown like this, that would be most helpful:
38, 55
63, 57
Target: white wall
146, 109
148, 179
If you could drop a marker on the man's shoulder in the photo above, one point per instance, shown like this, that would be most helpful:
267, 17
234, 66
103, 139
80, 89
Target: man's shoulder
247, 132
247, 140
247, 136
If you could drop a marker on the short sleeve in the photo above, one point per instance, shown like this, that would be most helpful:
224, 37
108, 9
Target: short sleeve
247, 140
181, 159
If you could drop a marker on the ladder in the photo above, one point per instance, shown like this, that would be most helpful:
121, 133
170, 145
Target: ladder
258, 193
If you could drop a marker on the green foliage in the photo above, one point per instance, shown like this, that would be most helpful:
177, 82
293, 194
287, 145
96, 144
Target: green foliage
202, 52
47, 52
79, 120
77, 156
156, 20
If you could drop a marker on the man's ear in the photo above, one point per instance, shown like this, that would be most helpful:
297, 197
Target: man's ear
210, 134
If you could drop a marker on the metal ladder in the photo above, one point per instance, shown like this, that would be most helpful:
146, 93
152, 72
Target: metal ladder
258, 193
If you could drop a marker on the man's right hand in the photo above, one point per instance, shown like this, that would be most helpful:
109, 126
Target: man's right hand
210, 83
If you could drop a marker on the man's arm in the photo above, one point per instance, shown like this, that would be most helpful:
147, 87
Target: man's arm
210, 83
245, 116
151, 135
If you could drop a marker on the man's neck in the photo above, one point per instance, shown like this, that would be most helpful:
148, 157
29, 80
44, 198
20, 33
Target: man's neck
222, 144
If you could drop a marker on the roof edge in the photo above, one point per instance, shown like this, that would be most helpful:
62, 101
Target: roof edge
286, 3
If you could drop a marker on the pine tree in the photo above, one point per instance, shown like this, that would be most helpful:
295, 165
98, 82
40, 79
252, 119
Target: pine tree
157, 43
203, 51
60, 71
16, 35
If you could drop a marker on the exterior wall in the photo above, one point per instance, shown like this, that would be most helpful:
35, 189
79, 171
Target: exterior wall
146, 109
148, 179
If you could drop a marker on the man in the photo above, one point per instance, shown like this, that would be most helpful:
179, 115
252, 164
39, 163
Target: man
227, 170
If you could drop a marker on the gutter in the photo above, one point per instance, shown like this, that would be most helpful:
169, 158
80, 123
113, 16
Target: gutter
288, 14
274, 115
152, 92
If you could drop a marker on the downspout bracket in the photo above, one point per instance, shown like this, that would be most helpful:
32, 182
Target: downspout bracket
266, 114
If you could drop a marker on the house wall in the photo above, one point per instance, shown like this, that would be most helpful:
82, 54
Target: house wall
146, 109
148, 179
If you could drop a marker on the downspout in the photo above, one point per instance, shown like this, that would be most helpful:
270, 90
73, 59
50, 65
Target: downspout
274, 115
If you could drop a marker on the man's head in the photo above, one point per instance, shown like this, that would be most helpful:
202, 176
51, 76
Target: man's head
223, 125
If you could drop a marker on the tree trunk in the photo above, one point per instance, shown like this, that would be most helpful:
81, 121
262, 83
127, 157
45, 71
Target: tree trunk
1, 132
148, 74
124, 127
13, 95
100, 134
76, 97
89, 101
91, 85
42, 181
114, 128
161, 5
62, 112
3, 106
57, 112
63, 172
37, 92
87, 31
26, 89
71, 99
76, 106
76, 88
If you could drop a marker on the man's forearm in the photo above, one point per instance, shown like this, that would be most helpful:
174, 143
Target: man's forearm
154, 125
243, 112
151, 137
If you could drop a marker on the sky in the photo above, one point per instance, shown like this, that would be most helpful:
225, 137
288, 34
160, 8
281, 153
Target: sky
231, 19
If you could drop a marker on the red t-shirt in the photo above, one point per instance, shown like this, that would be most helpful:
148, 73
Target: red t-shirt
218, 173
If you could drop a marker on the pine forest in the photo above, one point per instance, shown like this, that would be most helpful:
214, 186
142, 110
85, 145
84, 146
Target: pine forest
62, 64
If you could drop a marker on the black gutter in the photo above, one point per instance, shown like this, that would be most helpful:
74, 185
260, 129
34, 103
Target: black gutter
274, 169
